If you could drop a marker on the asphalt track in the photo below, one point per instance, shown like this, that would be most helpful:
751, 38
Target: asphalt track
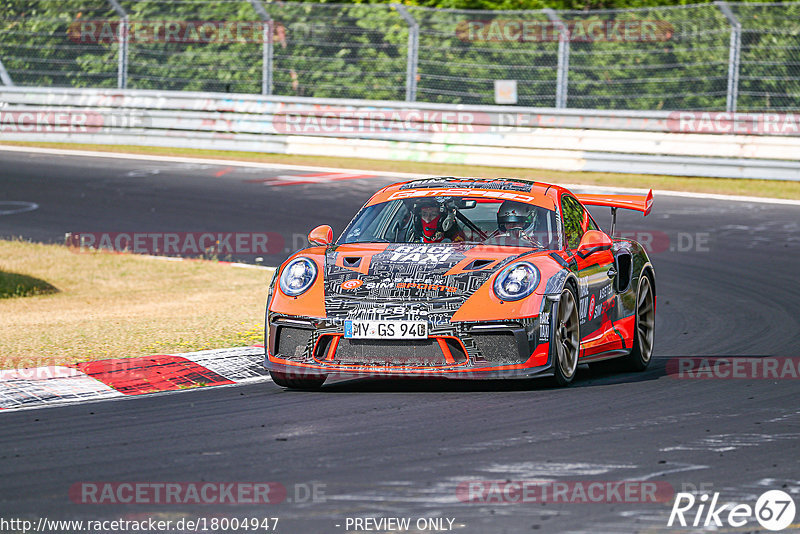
400, 449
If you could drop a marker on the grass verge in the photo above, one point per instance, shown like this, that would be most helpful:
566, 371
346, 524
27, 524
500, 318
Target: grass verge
124, 305
724, 186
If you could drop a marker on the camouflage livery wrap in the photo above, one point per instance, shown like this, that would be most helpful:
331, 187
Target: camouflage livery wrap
471, 332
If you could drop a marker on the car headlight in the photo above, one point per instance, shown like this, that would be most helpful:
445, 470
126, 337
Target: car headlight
516, 281
298, 275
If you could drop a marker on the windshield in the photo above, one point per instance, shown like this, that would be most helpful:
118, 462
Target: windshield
454, 220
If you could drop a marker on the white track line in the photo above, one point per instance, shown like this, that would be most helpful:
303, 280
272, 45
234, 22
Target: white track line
207, 161
283, 166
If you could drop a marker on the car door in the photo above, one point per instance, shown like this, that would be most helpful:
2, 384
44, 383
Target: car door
596, 297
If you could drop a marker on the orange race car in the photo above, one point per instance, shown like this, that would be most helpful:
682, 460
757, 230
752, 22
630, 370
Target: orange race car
463, 278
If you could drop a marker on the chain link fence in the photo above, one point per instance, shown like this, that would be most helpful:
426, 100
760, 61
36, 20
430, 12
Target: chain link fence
36, 47
714, 56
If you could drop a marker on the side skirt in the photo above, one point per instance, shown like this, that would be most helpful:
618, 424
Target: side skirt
609, 355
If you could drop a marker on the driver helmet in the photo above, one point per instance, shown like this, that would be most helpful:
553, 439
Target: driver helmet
429, 215
514, 214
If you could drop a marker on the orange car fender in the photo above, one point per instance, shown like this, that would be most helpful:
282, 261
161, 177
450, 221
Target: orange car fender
312, 302
484, 305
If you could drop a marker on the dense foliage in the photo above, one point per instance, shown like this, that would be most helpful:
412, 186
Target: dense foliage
359, 50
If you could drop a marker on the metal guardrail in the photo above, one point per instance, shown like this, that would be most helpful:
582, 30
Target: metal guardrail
574, 140
707, 56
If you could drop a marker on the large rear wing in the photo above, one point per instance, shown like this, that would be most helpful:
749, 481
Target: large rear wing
643, 203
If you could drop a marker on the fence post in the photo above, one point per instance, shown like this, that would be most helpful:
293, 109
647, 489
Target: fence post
122, 64
413, 52
4, 77
734, 55
267, 50
562, 74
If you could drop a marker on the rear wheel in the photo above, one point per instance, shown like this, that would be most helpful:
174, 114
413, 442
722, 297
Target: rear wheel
566, 339
294, 382
639, 358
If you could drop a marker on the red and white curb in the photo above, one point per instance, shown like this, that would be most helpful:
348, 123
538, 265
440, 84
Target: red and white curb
117, 378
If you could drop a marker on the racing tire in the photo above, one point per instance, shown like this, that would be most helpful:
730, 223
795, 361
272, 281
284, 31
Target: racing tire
286, 381
642, 352
566, 339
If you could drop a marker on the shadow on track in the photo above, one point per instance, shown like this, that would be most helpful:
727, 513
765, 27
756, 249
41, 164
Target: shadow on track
584, 378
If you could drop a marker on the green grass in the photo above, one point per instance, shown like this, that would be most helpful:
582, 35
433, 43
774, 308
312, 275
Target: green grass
14, 285
121, 305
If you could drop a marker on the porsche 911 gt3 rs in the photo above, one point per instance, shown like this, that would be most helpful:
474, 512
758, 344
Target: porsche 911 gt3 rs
464, 278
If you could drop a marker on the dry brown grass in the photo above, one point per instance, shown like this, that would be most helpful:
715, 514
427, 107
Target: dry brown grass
122, 305
723, 186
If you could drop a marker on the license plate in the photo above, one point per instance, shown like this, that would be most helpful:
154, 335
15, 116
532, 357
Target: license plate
385, 329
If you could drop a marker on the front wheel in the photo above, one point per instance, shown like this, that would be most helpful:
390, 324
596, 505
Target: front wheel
294, 382
566, 339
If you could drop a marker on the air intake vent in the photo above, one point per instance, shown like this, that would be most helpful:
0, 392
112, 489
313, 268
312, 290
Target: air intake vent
396, 353
292, 342
497, 347
623, 262
352, 262
478, 264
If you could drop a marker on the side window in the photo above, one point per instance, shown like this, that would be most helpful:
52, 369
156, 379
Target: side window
400, 225
575, 221
588, 222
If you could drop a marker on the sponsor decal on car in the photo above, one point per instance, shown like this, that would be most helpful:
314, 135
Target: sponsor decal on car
582, 312
501, 195
353, 283
436, 183
544, 326
421, 254
605, 292
395, 310
387, 283
605, 307
583, 287
426, 287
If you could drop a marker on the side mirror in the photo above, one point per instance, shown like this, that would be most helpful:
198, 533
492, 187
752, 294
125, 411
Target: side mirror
321, 235
593, 241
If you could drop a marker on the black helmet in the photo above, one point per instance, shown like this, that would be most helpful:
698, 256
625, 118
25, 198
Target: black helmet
515, 215
426, 202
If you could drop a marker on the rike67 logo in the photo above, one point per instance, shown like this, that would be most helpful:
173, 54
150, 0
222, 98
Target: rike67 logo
774, 510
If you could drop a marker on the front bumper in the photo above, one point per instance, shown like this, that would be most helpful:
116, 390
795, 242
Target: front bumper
305, 346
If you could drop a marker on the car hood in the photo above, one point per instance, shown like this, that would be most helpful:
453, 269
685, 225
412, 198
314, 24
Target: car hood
412, 272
